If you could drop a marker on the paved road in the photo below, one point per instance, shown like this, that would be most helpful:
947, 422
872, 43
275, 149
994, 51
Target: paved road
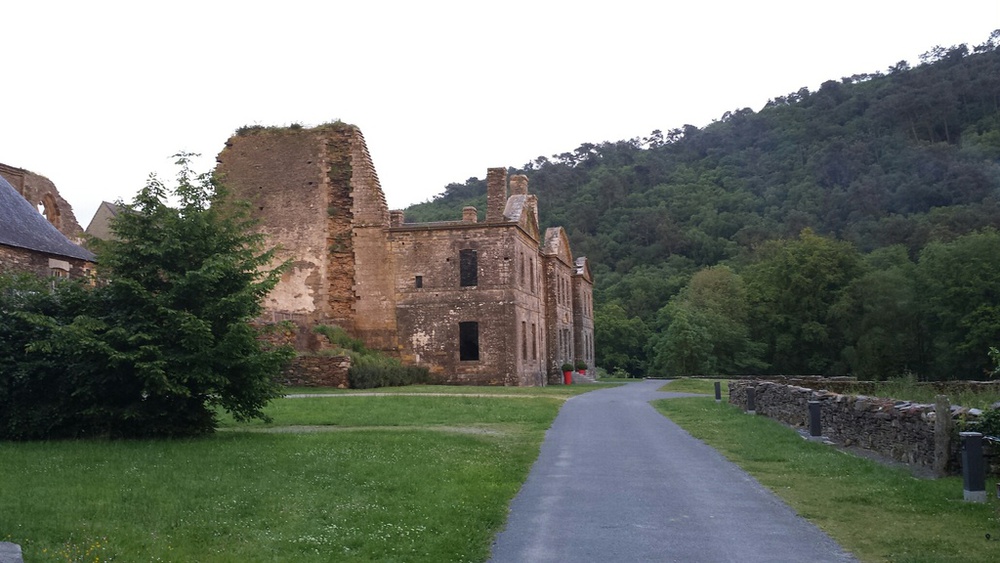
617, 481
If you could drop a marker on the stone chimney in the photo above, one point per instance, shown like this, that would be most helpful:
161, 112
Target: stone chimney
519, 185
470, 215
496, 194
531, 202
396, 218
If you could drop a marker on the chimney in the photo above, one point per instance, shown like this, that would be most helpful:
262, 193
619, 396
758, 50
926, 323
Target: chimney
496, 194
470, 215
519, 185
396, 218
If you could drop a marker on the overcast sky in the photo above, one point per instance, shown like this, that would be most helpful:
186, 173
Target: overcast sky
98, 94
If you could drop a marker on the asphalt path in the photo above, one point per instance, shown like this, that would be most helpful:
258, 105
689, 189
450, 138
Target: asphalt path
618, 481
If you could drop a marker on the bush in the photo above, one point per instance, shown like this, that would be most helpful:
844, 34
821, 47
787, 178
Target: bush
581, 365
371, 369
567, 367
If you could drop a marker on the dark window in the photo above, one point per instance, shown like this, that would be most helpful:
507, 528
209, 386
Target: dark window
420, 281
534, 342
468, 341
469, 265
531, 272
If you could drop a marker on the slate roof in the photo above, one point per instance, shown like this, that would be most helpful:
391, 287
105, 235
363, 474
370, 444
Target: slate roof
21, 225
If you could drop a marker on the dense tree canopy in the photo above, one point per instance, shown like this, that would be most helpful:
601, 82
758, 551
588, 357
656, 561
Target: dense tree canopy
161, 342
907, 160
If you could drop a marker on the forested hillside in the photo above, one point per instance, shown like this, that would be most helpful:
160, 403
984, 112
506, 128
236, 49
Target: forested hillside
846, 230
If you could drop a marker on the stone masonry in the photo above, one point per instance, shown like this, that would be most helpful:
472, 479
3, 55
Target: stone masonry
490, 303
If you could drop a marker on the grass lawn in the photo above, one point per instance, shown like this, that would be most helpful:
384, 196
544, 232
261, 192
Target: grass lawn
338, 478
877, 513
691, 385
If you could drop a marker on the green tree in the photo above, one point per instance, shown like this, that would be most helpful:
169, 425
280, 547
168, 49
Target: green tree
880, 316
619, 339
166, 340
792, 287
960, 290
704, 330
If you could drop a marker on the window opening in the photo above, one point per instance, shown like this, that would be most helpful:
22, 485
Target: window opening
534, 342
468, 341
524, 341
469, 267
419, 281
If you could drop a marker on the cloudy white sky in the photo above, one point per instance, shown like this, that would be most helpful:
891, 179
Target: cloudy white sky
98, 94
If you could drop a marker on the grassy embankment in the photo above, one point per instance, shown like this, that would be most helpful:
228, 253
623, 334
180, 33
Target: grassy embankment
876, 512
395, 478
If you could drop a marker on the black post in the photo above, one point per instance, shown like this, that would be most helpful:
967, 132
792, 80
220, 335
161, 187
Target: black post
973, 469
718, 392
815, 427
751, 400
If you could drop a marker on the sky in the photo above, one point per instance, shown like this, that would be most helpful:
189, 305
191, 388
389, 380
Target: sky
97, 95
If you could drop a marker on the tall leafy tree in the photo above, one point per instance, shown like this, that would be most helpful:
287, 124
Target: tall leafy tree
164, 341
960, 289
792, 287
880, 315
704, 330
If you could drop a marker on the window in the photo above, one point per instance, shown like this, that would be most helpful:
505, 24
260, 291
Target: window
534, 342
468, 341
524, 340
419, 281
469, 266
531, 272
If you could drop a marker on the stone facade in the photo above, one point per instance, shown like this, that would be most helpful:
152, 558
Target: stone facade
489, 303
43, 265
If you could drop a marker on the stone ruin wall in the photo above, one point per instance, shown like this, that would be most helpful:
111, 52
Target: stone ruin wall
38, 189
318, 199
281, 175
374, 305
900, 430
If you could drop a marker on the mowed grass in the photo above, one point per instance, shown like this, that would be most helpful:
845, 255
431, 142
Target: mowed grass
368, 479
692, 385
876, 512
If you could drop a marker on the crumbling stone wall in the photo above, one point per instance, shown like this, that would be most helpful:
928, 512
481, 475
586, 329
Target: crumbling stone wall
401, 287
317, 371
900, 430
319, 201
39, 190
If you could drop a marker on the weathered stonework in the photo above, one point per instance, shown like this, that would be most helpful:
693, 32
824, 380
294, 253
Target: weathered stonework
900, 430
13, 259
476, 302
317, 371
29, 242
40, 191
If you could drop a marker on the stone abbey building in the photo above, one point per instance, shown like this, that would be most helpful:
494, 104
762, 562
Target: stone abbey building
495, 302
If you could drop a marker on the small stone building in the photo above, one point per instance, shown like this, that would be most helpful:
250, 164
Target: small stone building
31, 243
485, 303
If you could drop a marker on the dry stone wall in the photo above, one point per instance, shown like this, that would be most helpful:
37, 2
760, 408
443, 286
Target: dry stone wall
901, 430
317, 371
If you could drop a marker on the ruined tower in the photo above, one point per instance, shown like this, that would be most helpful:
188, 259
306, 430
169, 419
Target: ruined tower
318, 199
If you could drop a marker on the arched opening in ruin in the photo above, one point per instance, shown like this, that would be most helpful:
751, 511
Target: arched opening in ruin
50, 210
